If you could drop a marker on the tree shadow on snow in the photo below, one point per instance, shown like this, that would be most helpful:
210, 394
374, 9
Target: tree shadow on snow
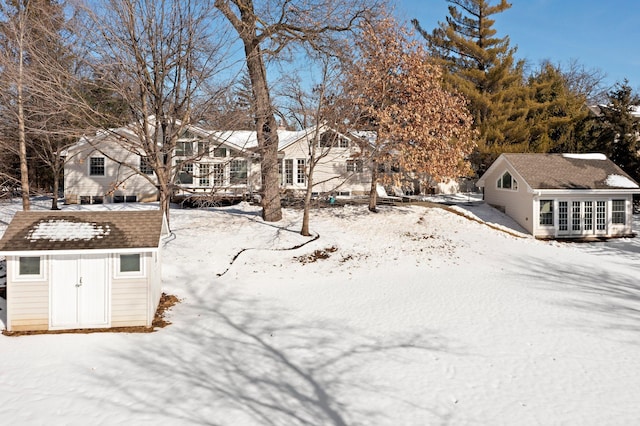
243, 361
609, 299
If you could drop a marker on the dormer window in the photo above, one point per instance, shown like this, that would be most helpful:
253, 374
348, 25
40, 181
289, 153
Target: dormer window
506, 181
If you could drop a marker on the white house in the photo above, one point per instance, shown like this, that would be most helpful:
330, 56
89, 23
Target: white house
78, 270
562, 195
104, 168
341, 168
99, 169
109, 168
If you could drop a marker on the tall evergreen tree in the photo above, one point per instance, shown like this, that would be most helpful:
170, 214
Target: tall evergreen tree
555, 110
616, 130
482, 67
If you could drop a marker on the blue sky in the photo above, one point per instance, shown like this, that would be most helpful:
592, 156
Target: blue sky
601, 34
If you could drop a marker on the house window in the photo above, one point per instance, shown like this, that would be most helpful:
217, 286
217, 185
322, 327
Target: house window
546, 212
327, 139
218, 174
238, 172
575, 215
130, 262
220, 152
184, 148
96, 166
506, 181
288, 171
29, 265
355, 166
601, 214
618, 212
588, 215
185, 173
145, 166
301, 170
203, 148
204, 174
563, 211
332, 139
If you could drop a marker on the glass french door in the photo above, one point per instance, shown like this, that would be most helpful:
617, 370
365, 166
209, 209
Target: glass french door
582, 217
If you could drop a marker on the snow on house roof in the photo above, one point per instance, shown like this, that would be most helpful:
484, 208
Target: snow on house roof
247, 139
597, 109
587, 156
620, 181
85, 230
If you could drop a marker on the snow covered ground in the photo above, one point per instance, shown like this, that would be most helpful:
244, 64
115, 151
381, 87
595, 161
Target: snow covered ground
412, 316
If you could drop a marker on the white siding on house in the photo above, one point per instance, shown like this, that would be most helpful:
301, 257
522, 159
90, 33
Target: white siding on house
515, 203
579, 210
330, 174
610, 229
118, 179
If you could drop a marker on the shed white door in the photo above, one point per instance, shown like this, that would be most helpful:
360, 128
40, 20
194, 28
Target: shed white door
79, 292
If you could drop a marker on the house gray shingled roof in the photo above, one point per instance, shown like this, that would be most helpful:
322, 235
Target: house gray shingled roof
85, 230
560, 171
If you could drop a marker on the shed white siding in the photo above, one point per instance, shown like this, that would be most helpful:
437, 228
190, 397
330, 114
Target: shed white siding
131, 301
28, 306
134, 300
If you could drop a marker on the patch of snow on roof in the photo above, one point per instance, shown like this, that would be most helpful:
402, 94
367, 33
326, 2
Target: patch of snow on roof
590, 156
64, 230
620, 181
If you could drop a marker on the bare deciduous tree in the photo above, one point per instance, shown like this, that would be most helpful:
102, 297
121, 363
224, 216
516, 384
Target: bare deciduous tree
266, 30
40, 66
14, 50
158, 56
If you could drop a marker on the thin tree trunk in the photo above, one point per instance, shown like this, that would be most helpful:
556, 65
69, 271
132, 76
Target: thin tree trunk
165, 200
56, 188
22, 138
373, 192
307, 203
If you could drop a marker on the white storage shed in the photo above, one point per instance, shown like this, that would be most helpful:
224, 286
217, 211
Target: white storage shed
83, 269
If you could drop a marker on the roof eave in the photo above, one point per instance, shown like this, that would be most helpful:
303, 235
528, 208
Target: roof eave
589, 191
82, 251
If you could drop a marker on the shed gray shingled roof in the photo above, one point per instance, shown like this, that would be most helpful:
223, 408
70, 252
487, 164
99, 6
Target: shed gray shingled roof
558, 171
86, 230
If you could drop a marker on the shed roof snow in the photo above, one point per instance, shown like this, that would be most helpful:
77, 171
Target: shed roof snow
562, 171
86, 230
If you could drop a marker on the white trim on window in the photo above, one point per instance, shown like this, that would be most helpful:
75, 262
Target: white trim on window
507, 182
117, 273
95, 166
17, 276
